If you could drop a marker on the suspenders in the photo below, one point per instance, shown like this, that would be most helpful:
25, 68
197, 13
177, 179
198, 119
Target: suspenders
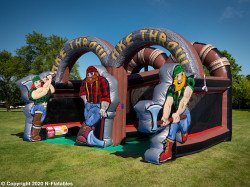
87, 89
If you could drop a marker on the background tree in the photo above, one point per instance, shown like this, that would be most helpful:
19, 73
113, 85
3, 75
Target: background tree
235, 68
74, 74
40, 52
12, 68
35, 57
240, 84
248, 77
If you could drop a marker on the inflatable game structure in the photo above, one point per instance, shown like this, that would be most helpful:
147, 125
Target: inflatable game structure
137, 94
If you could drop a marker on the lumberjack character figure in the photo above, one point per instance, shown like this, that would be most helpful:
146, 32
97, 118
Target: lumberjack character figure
39, 94
178, 96
95, 93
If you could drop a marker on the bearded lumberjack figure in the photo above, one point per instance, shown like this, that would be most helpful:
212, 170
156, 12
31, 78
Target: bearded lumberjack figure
95, 93
178, 96
39, 94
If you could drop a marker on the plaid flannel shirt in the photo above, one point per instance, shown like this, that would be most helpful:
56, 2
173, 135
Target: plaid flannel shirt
97, 91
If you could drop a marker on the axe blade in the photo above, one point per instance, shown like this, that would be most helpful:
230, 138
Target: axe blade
154, 110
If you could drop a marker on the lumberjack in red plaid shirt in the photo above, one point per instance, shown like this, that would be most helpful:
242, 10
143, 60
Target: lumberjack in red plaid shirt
95, 93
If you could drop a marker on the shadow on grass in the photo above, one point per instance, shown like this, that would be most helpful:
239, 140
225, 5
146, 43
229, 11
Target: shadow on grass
19, 135
133, 150
134, 147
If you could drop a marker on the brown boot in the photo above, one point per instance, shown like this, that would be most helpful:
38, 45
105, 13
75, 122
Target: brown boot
82, 130
167, 153
35, 131
36, 128
82, 135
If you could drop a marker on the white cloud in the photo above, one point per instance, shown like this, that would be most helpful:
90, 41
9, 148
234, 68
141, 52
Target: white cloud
231, 12
238, 10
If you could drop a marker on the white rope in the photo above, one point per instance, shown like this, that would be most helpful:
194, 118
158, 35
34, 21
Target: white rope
218, 63
155, 53
132, 63
141, 56
205, 50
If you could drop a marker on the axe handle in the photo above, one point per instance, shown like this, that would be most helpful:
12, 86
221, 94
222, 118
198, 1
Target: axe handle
102, 128
171, 119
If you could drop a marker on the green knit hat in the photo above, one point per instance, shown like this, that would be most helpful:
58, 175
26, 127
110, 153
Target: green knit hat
178, 69
36, 78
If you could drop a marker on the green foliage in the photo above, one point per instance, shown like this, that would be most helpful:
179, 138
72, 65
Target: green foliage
240, 84
40, 51
9, 93
35, 57
74, 73
234, 67
206, 71
241, 92
11, 69
248, 77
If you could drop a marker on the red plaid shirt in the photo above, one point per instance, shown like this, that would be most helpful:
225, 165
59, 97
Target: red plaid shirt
97, 91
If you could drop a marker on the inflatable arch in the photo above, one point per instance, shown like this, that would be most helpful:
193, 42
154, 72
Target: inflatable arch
62, 67
173, 42
210, 109
209, 126
115, 60
123, 53
146, 57
76, 48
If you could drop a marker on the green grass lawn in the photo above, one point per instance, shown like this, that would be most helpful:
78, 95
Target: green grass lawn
226, 164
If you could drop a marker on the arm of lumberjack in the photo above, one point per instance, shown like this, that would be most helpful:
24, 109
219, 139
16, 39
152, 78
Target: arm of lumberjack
40, 92
52, 89
166, 110
84, 98
183, 104
104, 107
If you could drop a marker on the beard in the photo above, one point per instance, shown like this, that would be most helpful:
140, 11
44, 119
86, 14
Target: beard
92, 79
179, 86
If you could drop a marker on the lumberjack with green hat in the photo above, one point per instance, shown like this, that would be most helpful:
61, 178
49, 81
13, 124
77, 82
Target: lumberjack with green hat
39, 94
178, 96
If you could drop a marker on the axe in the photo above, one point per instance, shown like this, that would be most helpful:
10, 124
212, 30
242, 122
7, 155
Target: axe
102, 128
171, 119
154, 110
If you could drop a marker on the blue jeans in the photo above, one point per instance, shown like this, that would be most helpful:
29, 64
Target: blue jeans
40, 109
92, 113
182, 125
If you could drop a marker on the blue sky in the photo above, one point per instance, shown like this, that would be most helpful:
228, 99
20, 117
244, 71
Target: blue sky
223, 23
